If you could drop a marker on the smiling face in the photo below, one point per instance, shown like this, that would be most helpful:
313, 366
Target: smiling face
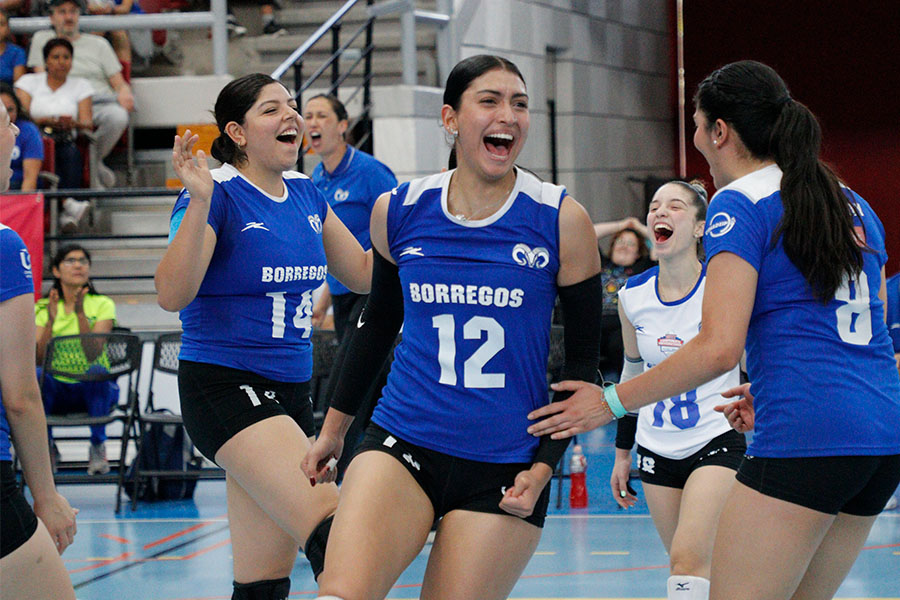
672, 219
325, 130
270, 134
492, 123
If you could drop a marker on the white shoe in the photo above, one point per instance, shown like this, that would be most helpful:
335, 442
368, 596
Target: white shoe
97, 463
75, 208
106, 176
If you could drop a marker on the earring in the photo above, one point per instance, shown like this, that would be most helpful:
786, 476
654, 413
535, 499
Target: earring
454, 132
715, 142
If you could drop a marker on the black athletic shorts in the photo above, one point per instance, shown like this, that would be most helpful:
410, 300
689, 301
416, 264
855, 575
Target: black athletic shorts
855, 485
217, 402
724, 450
17, 520
453, 483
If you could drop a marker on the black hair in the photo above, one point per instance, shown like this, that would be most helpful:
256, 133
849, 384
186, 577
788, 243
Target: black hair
470, 69
232, 104
336, 105
58, 41
60, 256
817, 225
7, 89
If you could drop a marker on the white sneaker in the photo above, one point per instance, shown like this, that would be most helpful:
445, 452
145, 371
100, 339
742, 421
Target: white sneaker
106, 176
97, 463
75, 208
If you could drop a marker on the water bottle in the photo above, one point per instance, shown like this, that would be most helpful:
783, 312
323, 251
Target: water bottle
578, 496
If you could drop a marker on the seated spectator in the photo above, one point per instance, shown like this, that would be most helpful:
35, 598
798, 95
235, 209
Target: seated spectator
94, 60
123, 42
13, 7
28, 153
74, 307
629, 254
60, 105
12, 57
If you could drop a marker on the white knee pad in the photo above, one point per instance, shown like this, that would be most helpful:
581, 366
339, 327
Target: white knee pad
687, 587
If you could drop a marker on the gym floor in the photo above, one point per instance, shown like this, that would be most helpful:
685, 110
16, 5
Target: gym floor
180, 550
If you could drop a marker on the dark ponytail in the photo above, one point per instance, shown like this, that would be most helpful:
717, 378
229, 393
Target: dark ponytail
816, 228
232, 104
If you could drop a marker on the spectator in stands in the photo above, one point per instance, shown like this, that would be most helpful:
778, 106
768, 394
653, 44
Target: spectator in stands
12, 57
266, 13
629, 254
74, 307
123, 42
12, 7
61, 106
95, 61
28, 153
30, 566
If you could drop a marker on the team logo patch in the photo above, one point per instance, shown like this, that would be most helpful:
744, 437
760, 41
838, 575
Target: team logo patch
255, 225
341, 195
315, 222
408, 458
669, 343
525, 256
720, 224
25, 259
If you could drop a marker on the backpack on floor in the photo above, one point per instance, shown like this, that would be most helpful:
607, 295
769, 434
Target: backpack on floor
166, 447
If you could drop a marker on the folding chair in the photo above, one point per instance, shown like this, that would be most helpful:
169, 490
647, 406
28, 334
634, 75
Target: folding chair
165, 361
96, 357
325, 348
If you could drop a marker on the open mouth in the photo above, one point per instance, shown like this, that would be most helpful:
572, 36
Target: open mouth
288, 137
662, 232
315, 136
498, 143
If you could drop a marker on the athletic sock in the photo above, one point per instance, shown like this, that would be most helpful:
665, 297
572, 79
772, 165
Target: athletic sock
687, 587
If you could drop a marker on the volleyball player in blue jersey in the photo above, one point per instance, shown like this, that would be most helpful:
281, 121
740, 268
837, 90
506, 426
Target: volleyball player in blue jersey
249, 245
470, 261
31, 540
796, 270
351, 181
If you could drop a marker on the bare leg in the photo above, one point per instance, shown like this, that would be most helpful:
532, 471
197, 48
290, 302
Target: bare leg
664, 504
834, 558
35, 570
381, 524
763, 546
478, 556
272, 508
704, 495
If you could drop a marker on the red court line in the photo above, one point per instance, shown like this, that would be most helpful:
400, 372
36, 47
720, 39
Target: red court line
114, 538
177, 534
882, 547
103, 563
205, 550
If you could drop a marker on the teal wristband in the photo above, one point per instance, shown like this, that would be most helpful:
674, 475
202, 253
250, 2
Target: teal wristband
612, 400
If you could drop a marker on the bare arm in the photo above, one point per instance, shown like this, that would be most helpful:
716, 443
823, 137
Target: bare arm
85, 114
25, 412
183, 266
578, 255
31, 167
123, 91
346, 259
18, 71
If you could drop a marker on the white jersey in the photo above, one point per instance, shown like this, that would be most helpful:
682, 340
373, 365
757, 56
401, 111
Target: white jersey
682, 425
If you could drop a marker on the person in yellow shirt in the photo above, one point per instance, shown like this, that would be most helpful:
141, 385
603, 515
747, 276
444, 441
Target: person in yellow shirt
74, 307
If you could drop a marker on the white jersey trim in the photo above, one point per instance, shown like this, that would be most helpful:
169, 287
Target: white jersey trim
418, 186
227, 172
757, 185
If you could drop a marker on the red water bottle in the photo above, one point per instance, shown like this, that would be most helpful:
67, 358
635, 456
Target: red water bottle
578, 496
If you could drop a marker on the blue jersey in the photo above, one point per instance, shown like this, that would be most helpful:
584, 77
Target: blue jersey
478, 298
28, 145
823, 373
351, 190
893, 310
15, 280
254, 306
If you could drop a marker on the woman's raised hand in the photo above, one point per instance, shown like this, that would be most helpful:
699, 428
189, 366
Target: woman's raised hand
194, 173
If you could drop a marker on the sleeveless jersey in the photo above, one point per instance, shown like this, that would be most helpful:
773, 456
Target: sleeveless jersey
254, 306
823, 374
478, 298
15, 280
351, 191
682, 425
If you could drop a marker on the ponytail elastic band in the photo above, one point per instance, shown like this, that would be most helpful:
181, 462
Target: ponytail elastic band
612, 400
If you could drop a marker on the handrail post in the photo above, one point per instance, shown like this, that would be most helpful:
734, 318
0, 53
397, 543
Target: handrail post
219, 37
408, 46
367, 84
335, 65
298, 84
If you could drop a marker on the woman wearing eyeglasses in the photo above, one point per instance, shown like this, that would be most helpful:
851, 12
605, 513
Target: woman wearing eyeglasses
74, 307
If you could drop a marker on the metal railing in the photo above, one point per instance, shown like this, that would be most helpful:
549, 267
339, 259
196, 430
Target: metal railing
215, 19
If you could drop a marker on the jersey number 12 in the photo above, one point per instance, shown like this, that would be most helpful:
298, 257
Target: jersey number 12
473, 374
